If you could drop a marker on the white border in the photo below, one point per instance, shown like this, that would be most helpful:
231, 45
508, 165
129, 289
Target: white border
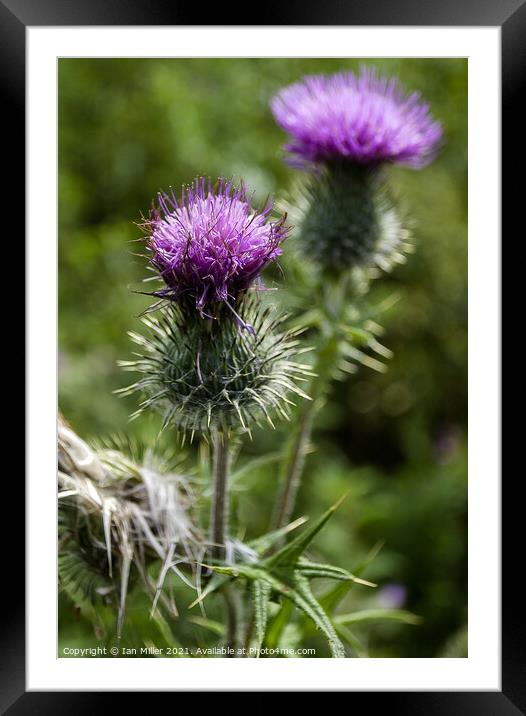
482, 669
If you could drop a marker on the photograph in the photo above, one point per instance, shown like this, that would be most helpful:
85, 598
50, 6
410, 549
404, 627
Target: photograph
262, 357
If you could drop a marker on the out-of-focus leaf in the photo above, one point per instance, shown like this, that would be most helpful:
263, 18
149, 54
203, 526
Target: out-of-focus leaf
213, 626
255, 464
377, 615
333, 597
217, 581
278, 624
347, 636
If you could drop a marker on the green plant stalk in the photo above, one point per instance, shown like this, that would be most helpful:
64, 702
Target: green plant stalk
292, 467
220, 501
219, 520
295, 459
232, 618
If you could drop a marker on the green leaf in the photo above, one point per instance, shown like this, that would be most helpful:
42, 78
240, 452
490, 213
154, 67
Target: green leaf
305, 600
369, 558
353, 641
164, 629
290, 553
217, 581
312, 318
263, 543
374, 615
330, 600
260, 595
333, 597
287, 573
210, 624
327, 571
255, 464
294, 586
278, 624
245, 570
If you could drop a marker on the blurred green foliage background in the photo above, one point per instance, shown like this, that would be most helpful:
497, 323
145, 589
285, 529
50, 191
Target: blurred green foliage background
397, 441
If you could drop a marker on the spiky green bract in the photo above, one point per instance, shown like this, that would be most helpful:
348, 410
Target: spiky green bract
350, 221
206, 375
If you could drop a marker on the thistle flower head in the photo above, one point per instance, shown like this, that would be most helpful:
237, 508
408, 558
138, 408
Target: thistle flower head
210, 245
364, 119
206, 376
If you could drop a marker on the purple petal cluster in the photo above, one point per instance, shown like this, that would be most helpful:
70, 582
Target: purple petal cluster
365, 119
211, 244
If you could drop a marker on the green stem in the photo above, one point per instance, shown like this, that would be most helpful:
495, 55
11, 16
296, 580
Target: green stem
232, 619
251, 623
294, 467
220, 502
327, 354
219, 533
295, 460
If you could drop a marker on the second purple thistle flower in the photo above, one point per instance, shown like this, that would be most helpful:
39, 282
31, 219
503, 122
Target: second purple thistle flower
366, 119
210, 244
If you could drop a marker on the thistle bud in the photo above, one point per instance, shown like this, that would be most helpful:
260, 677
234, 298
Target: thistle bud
205, 375
348, 219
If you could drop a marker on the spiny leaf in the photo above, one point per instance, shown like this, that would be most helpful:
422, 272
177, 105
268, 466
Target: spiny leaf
260, 595
263, 543
297, 590
290, 553
305, 600
327, 571
244, 570
294, 587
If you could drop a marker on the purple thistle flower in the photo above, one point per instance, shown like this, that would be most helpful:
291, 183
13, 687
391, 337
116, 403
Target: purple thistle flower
365, 119
210, 245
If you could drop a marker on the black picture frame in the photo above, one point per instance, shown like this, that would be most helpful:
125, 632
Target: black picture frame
510, 15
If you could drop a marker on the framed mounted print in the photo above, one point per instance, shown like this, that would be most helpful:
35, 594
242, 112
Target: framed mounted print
263, 271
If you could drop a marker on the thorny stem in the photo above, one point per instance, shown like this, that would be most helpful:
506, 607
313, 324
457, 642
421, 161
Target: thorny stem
219, 530
220, 506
